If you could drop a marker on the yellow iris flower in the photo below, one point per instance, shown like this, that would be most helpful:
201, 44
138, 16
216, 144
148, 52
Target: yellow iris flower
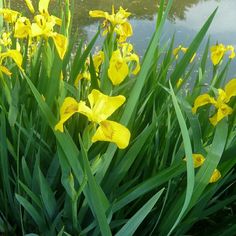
115, 21
218, 52
98, 59
198, 160
9, 15
15, 56
118, 67
101, 107
184, 50
22, 28
43, 26
224, 97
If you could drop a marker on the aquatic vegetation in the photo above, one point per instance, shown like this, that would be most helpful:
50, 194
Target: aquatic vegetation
96, 141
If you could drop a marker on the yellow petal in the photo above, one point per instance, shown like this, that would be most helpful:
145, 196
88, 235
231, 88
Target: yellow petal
202, 100
15, 55
176, 51
231, 49
69, 107
223, 111
134, 57
198, 159
30, 6
9, 15
124, 31
230, 89
118, 68
215, 176
5, 70
22, 28
61, 44
36, 30
98, 13
217, 53
114, 132
43, 6
103, 106
98, 60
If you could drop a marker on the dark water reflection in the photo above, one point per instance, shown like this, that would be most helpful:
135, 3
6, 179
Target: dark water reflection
185, 19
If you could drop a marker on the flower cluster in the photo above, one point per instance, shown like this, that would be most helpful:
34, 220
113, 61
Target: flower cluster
115, 22
198, 160
222, 109
43, 25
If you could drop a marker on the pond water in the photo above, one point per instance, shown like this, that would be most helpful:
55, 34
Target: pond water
185, 19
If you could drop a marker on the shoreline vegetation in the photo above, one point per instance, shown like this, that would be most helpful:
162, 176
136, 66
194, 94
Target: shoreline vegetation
100, 142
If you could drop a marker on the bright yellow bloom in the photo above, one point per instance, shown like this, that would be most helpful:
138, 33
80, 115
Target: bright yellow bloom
84, 75
222, 108
231, 49
15, 56
198, 159
9, 15
218, 51
69, 107
22, 28
115, 21
61, 43
101, 107
114, 132
98, 59
118, 67
179, 82
184, 50
215, 176
5, 40
30, 6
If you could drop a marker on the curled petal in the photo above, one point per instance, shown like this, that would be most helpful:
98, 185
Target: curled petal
231, 49
118, 68
69, 107
223, 111
98, 60
5, 70
230, 89
124, 31
22, 28
202, 100
215, 176
114, 132
103, 106
134, 57
60, 42
15, 55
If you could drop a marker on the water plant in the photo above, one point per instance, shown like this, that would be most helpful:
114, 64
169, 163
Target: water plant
101, 143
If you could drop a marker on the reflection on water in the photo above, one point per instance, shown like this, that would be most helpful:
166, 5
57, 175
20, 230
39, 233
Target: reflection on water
185, 19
